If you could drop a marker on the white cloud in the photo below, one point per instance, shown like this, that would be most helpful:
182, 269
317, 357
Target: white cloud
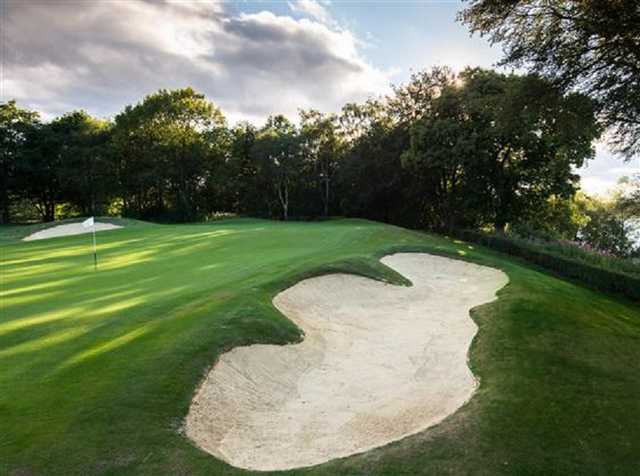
104, 55
313, 9
601, 175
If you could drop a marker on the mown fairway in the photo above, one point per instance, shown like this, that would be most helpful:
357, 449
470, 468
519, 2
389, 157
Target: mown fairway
97, 369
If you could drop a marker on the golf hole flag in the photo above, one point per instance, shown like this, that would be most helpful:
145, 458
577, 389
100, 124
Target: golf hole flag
90, 223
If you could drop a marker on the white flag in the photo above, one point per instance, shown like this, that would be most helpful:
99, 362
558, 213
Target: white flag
88, 223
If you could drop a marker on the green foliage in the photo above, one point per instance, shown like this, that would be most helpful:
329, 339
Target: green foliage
86, 173
607, 232
597, 225
372, 179
321, 148
16, 125
169, 146
442, 152
279, 153
605, 273
442, 157
493, 148
589, 45
558, 218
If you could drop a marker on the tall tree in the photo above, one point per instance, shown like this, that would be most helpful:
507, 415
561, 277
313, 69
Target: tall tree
40, 170
85, 169
530, 138
591, 45
371, 179
16, 124
168, 146
321, 144
245, 180
491, 148
278, 150
440, 159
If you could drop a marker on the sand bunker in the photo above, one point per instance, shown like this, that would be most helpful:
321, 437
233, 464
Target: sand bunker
67, 230
378, 363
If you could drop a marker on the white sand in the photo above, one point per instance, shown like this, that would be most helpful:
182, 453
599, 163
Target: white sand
67, 230
378, 363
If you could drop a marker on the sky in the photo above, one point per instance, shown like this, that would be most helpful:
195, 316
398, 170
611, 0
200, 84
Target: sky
251, 58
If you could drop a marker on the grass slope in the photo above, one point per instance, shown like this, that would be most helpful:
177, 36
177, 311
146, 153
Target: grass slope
97, 369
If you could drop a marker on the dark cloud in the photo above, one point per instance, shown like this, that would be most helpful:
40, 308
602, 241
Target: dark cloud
102, 55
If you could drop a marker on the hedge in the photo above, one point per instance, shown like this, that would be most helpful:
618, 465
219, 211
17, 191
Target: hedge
598, 278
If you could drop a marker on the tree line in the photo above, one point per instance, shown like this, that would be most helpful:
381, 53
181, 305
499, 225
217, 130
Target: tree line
443, 151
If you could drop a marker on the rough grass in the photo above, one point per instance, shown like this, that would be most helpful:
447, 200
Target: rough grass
97, 369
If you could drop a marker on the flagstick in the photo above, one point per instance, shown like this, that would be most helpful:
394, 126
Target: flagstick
95, 252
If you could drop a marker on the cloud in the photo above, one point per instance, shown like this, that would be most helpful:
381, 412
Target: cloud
313, 9
102, 55
600, 176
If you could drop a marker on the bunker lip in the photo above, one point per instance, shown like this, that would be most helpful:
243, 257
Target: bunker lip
68, 229
378, 363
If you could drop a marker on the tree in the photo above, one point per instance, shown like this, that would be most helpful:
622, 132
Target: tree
627, 196
371, 180
278, 150
40, 169
442, 153
606, 230
84, 171
529, 137
16, 124
590, 45
558, 218
491, 148
412, 101
245, 181
169, 146
320, 143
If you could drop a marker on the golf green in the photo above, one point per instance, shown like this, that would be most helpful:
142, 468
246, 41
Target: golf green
97, 369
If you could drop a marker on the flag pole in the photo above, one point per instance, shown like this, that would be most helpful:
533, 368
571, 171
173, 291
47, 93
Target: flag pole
91, 223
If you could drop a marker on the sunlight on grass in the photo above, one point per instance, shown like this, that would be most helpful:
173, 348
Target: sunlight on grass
110, 359
34, 270
16, 324
206, 234
106, 346
28, 299
129, 259
79, 311
210, 266
44, 342
38, 287
115, 307
49, 253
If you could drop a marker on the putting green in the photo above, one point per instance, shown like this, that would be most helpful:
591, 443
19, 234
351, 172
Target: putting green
97, 370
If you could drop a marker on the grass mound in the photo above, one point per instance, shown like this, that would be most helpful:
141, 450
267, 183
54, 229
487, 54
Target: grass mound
97, 370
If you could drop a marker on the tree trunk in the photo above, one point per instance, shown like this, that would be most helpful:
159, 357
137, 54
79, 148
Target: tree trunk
51, 211
286, 203
503, 210
326, 197
283, 195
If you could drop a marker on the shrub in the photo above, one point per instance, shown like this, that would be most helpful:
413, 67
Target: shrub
625, 281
